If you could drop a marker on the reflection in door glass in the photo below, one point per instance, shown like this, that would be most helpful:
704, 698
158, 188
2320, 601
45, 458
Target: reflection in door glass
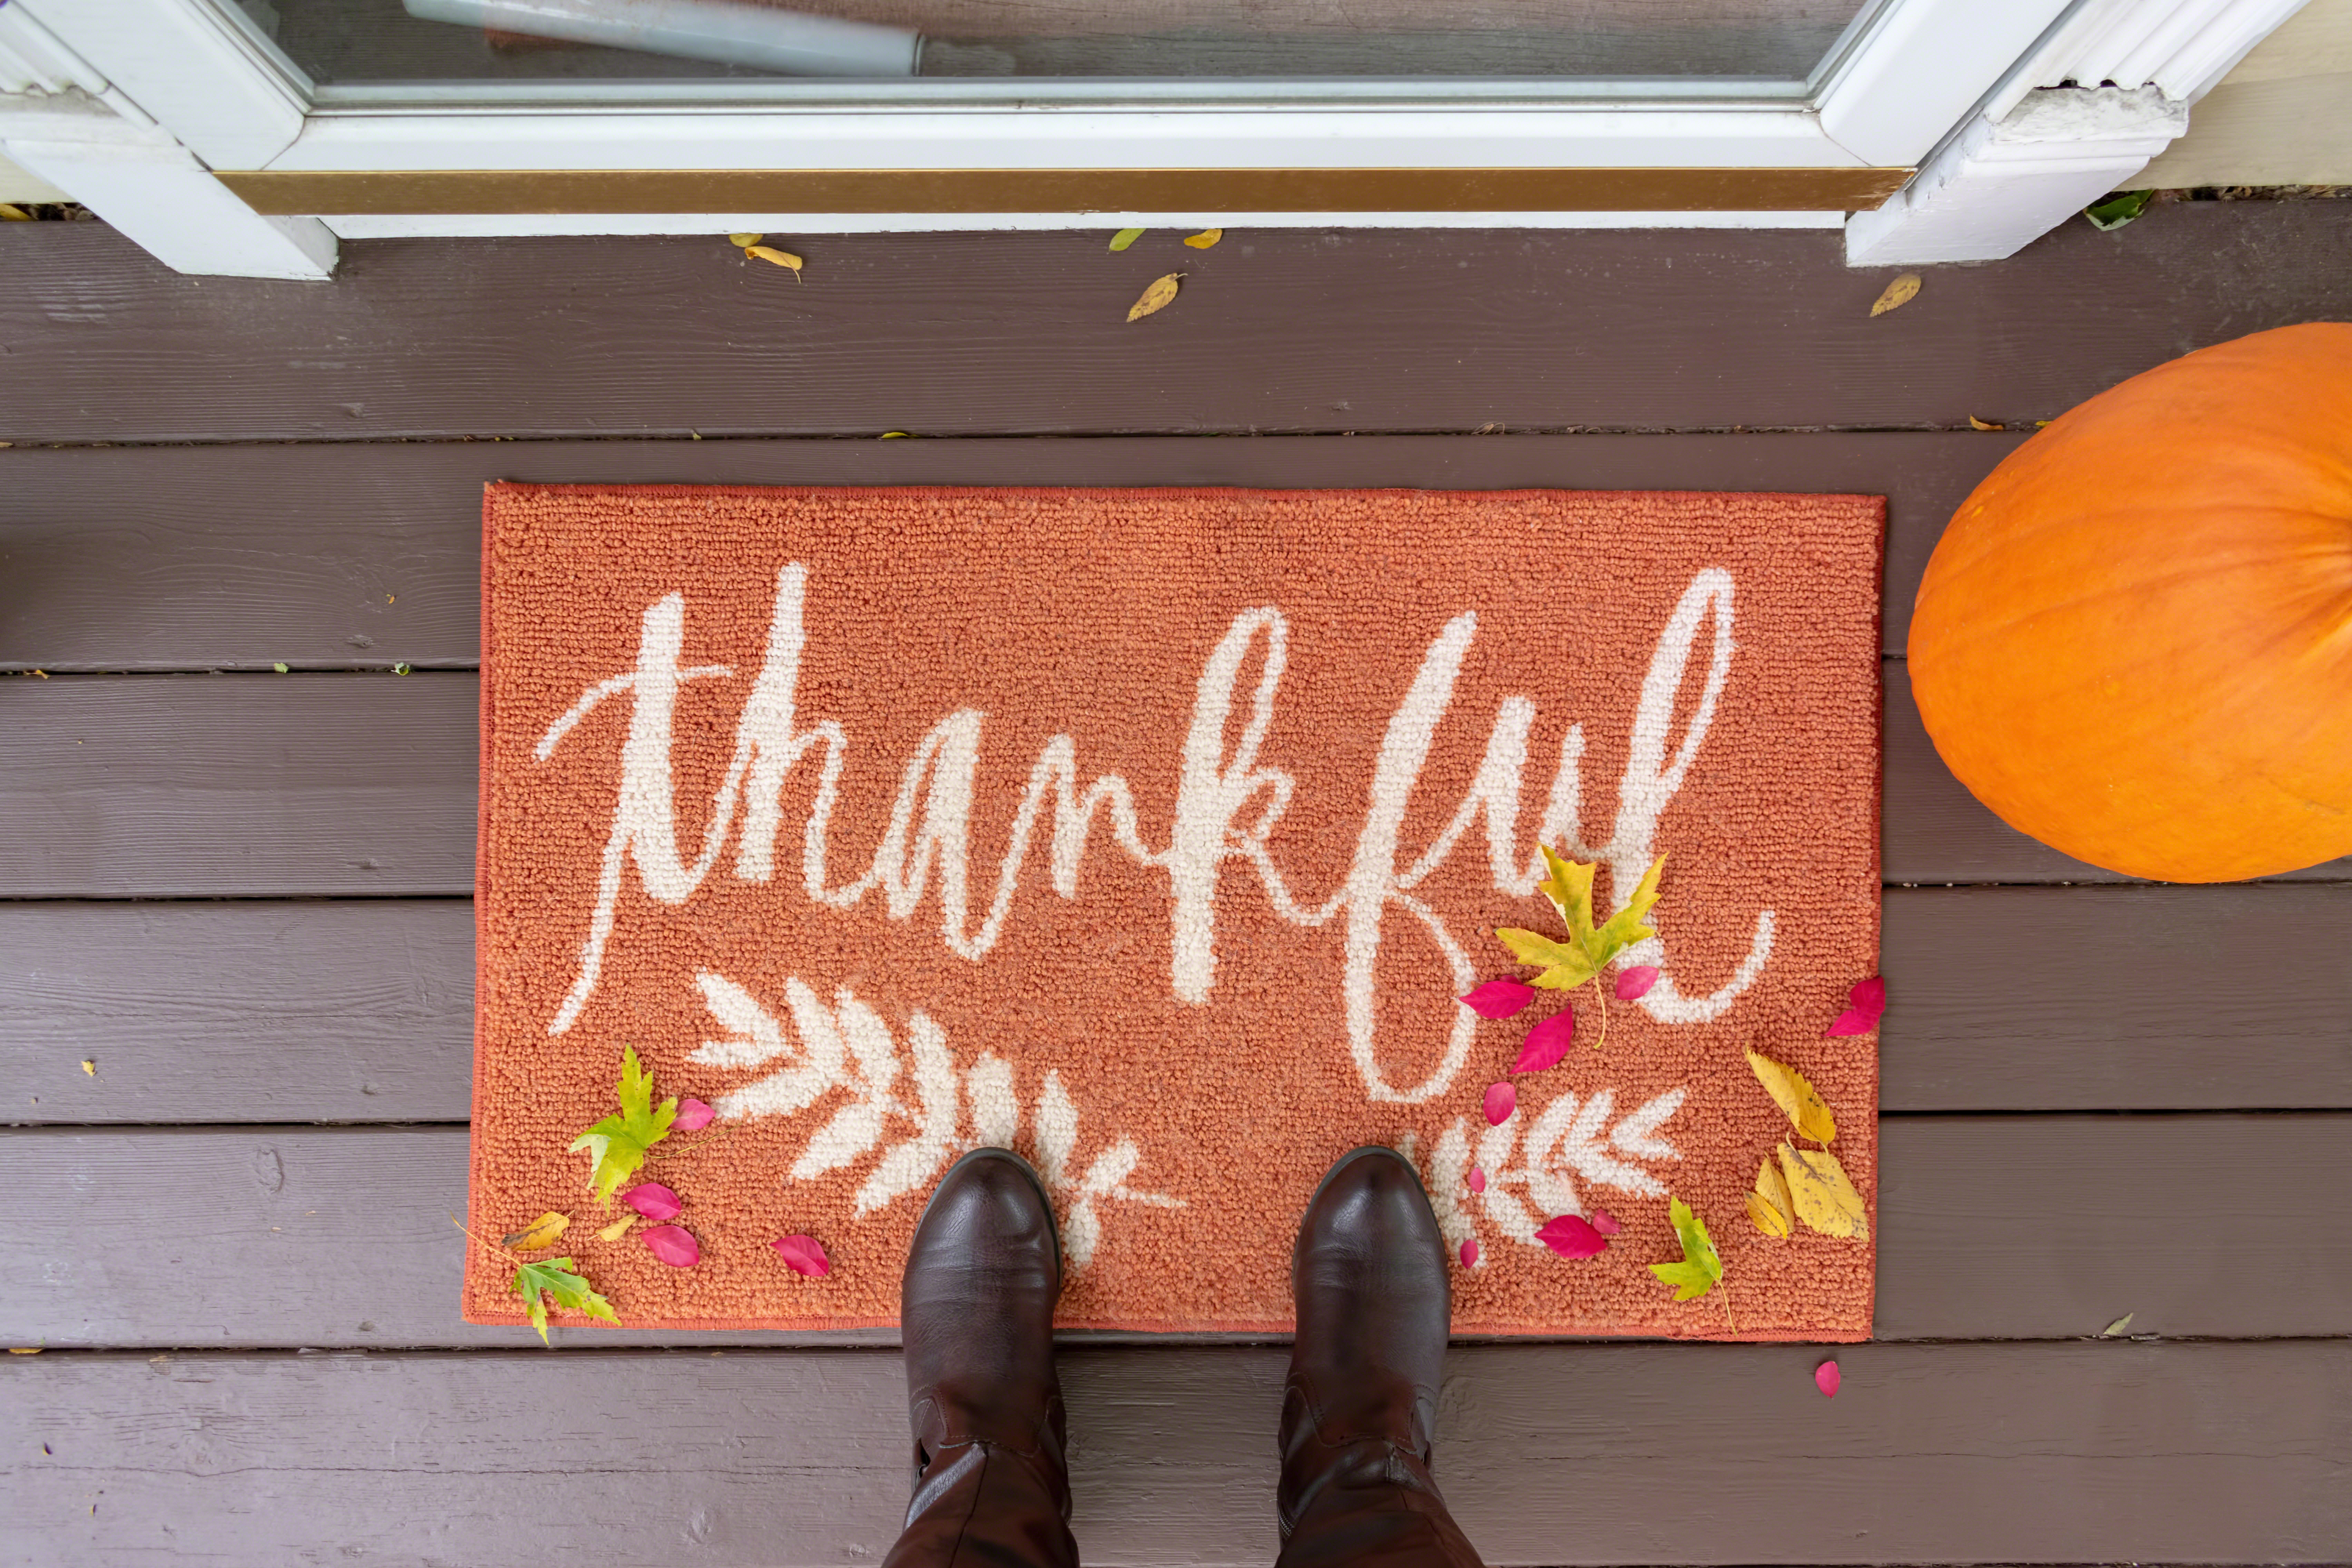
383, 41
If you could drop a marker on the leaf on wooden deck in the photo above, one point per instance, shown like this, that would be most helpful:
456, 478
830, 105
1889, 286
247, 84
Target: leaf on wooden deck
780, 257
1125, 237
745, 241
1976, 423
1901, 292
1205, 239
1796, 1097
281, 668
2115, 1331
544, 1231
1824, 1198
1826, 1379
1155, 298
2113, 211
89, 1065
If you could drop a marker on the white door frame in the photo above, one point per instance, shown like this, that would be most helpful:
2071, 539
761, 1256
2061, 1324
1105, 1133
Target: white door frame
1912, 77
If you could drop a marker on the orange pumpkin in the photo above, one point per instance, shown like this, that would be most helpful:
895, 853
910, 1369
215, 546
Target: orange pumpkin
2135, 641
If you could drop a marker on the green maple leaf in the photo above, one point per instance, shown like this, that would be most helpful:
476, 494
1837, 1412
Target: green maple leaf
556, 1277
618, 1144
1588, 950
1700, 1269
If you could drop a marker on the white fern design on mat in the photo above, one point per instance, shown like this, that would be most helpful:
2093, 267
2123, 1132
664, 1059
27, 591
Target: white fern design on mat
845, 1047
1568, 1140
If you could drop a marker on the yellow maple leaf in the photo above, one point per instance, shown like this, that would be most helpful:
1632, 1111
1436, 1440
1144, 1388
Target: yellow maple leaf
1824, 1199
1569, 964
1796, 1097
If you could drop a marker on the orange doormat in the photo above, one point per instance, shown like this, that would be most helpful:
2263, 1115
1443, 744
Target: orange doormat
1154, 833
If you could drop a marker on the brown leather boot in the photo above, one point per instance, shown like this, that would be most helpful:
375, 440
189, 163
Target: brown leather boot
976, 1314
1359, 1415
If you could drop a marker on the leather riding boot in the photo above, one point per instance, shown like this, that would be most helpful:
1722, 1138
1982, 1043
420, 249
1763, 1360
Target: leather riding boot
976, 1313
1369, 1276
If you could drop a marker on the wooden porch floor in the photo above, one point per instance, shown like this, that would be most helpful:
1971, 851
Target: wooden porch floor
242, 897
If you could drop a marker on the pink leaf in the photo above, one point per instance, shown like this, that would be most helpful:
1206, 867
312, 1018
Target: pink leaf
1547, 1042
1477, 1178
1825, 1378
674, 1246
1501, 1100
803, 1255
1869, 1000
1572, 1238
1499, 998
1635, 983
693, 1116
1470, 1253
1605, 1223
653, 1201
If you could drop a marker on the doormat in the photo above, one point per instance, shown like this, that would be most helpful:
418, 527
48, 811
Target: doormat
1155, 834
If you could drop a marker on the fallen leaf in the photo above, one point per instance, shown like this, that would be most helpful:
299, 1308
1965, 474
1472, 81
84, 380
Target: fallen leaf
803, 1255
2114, 211
745, 241
1635, 983
781, 258
674, 1246
1574, 1237
1477, 1178
1796, 1097
617, 1229
1770, 1204
1899, 292
693, 1116
1125, 237
11, 213
400, 669
1501, 1100
2116, 1328
1470, 1253
1865, 1001
1547, 1042
89, 1065
1155, 298
281, 668
1605, 1223
1498, 999
544, 1231
1825, 1378
1700, 1269
1205, 239
1976, 423
653, 1201
28, 1349
618, 1144
1822, 1197
1588, 949
893, 435
558, 1278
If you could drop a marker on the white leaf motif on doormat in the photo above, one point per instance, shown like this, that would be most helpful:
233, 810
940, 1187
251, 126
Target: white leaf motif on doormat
1569, 1139
847, 1047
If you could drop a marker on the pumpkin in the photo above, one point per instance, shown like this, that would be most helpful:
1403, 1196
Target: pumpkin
2133, 642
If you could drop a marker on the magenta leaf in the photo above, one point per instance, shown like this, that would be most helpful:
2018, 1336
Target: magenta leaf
1635, 983
1572, 1238
1868, 1001
1477, 1178
653, 1201
1605, 1223
693, 1116
1501, 1100
1547, 1042
1470, 1253
803, 1255
674, 1246
1825, 1378
1499, 998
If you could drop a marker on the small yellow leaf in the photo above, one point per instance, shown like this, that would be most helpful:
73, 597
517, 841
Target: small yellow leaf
1976, 423
745, 241
11, 213
89, 1066
1205, 239
1767, 1218
892, 436
1125, 237
1899, 292
1824, 1199
1773, 1188
24, 1350
781, 258
617, 1229
1155, 298
540, 1231
1796, 1098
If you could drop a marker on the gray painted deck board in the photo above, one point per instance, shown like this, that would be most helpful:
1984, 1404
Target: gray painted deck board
2100, 1452
1004, 334
2134, 997
318, 554
1990, 1227
364, 784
